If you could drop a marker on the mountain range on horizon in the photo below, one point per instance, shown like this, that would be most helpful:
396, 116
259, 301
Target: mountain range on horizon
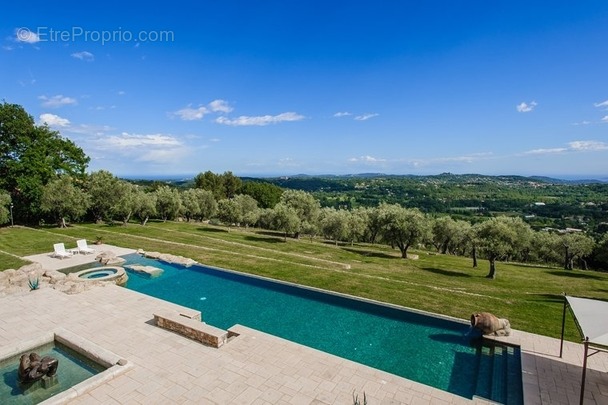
545, 179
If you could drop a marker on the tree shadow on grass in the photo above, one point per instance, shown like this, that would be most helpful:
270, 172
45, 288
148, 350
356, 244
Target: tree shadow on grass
367, 253
274, 234
443, 272
575, 274
554, 298
265, 239
212, 230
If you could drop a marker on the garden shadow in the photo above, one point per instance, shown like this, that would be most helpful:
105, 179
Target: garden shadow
212, 230
555, 298
367, 253
575, 274
274, 239
449, 273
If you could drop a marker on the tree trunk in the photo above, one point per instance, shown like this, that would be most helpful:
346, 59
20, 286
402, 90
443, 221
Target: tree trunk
474, 253
145, 221
63, 224
566, 259
492, 273
403, 248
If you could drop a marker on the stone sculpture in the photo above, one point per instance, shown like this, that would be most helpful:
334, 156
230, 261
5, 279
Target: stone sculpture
32, 367
489, 324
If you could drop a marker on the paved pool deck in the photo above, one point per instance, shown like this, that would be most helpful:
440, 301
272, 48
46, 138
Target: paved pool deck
257, 368
49, 262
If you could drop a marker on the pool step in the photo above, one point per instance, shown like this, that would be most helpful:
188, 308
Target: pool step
499, 374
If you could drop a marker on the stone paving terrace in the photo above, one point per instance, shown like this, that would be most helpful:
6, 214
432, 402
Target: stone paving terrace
254, 367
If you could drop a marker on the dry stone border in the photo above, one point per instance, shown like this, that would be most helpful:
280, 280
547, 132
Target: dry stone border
18, 281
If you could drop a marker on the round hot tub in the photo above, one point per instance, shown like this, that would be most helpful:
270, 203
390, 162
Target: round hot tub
107, 273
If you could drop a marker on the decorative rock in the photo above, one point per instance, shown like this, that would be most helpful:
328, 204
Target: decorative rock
150, 270
184, 261
141, 252
54, 276
32, 267
109, 258
152, 255
489, 324
18, 278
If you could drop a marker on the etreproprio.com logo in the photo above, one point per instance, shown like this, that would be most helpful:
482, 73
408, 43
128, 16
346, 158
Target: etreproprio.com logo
74, 34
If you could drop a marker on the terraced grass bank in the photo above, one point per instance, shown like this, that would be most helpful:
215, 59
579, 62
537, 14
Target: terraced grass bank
530, 297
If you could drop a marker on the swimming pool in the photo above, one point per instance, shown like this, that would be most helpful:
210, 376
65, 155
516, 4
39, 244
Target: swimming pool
430, 350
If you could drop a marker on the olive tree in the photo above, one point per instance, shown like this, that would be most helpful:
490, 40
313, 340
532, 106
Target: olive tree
145, 207
104, 189
127, 203
333, 224
285, 218
168, 202
304, 204
495, 239
63, 200
403, 227
576, 245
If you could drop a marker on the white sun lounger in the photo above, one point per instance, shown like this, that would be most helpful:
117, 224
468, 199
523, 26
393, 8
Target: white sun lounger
83, 247
60, 251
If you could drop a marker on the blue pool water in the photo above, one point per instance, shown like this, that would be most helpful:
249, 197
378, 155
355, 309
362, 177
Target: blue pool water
430, 350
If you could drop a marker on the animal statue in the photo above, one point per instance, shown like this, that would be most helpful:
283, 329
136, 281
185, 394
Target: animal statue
32, 367
489, 324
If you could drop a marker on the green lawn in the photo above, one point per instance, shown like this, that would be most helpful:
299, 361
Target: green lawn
530, 297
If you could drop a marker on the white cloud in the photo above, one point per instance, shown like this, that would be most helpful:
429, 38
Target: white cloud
602, 104
545, 151
366, 159
342, 114
525, 107
57, 101
90, 130
53, 120
84, 55
574, 146
126, 140
159, 149
261, 120
24, 34
192, 114
365, 117
587, 145
121, 93
605, 119
214, 140
220, 106
585, 122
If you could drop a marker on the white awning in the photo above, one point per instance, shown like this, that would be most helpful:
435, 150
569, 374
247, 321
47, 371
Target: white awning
592, 318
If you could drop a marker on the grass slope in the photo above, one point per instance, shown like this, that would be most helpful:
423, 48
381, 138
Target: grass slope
530, 297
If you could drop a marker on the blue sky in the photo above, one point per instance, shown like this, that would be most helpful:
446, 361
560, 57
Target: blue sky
318, 87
